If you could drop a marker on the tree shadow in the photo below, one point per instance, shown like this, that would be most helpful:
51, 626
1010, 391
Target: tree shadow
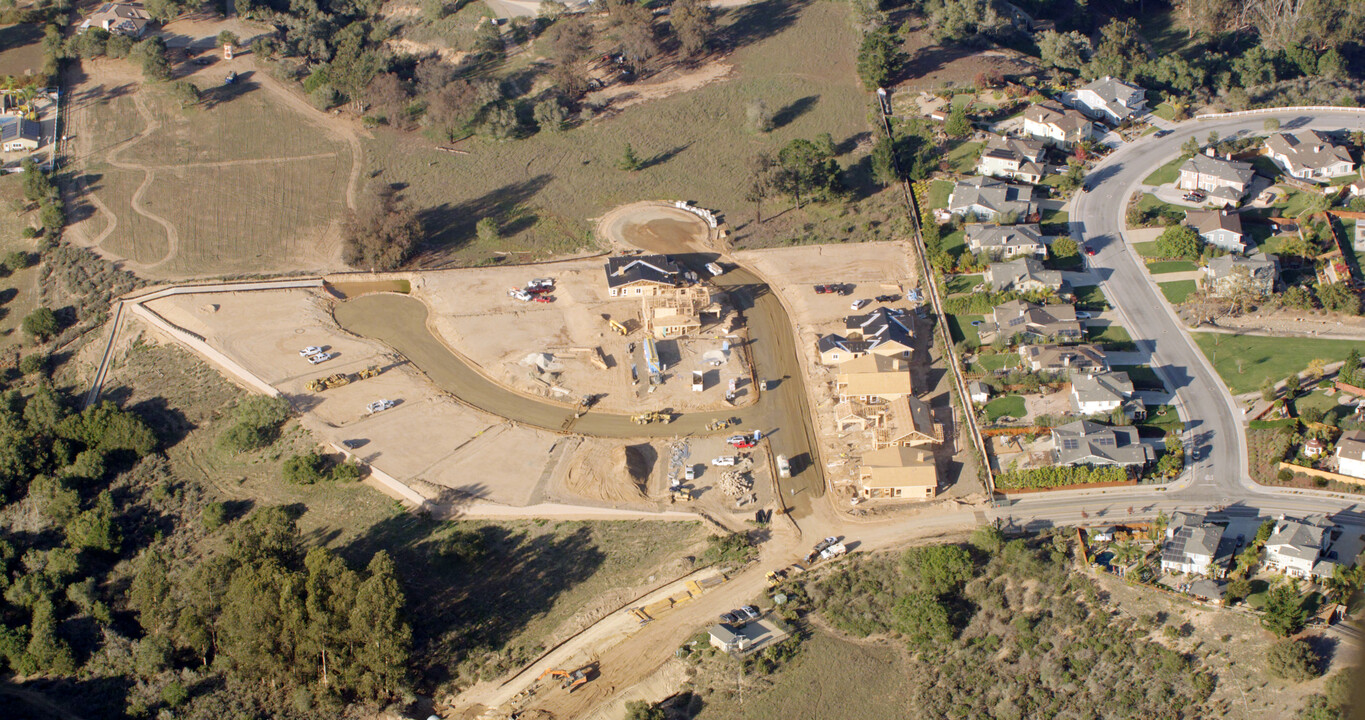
92, 698
224, 93
664, 156
449, 227
794, 110
759, 21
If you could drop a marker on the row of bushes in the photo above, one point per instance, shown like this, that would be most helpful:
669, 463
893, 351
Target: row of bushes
1058, 476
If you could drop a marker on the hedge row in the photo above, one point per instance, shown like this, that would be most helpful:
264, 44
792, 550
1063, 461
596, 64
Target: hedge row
1058, 476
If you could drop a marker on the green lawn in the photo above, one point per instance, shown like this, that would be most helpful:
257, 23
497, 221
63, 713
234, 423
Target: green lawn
1170, 266
1145, 249
955, 243
1164, 111
1266, 166
1177, 291
962, 283
1115, 337
1007, 405
960, 327
1245, 361
1294, 203
939, 190
998, 361
1091, 297
1168, 173
963, 158
1054, 222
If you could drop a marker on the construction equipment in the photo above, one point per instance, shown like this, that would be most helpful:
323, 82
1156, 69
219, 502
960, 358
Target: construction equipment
571, 679
618, 327
329, 382
718, 425
682, 493
367, 373
650, 417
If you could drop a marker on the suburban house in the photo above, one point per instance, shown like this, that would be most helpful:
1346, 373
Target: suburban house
898, 473
986, 198
1112, 100
1351, 453
1025, 275
1226, 181
1034, 322
1056, 125
980, 392
641, 275
1063, 358
1016, 158
1218, 228
1093, 393
118, 19
727, 639
1300, 548
1006, 241
1089, 443
873, 376
1308, 155
880, 332
19, 134
1194, 546
1232, 274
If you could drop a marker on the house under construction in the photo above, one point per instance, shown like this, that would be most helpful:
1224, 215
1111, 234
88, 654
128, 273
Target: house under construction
678, 311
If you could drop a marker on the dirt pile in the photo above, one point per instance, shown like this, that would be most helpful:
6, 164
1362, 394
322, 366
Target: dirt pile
611, 472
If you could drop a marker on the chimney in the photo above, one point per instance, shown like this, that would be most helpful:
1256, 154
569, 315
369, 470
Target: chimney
1211, 152
1227, 156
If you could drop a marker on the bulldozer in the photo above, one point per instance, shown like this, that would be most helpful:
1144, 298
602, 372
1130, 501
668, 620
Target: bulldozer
649, 417
329, 382
571, 679
368, 373
618, 327
718, 425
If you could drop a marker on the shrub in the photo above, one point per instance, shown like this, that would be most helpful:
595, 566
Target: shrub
256, 423
1058, 476
305, 469
1292, 660
214, 515
732, 548
18, 260
41, 324
33, 363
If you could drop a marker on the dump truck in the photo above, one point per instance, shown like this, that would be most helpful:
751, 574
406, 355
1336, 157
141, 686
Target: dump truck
650, 417
329, 382
784, 467
717, 425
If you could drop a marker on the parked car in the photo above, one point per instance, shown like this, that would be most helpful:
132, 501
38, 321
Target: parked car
380, 405
741, 441
888, 298
1162, 133
823, 289
519, 294
690, 472
729, 617
1082, 315
751, 611
310, 351
859, 303
545, 283
543, 298
724, 461
1089, 251
319, 358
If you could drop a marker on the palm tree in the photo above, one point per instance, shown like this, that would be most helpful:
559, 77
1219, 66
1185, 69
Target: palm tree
1126, 553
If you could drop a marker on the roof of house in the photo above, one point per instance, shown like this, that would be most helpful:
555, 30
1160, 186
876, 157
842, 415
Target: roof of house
1258, 265
1007, 274
725, 634
909, 416
1227, 170
899, 467
1018, 316
988, 235
624, 270
1206, 588
1307, 149
991, 194
875, 375
122, 16
1086, 441
1118, 96
976, 387
13, 128
1207, 221
1050, 113
1301, 539
1101, 386
1056, 357
1194, 537
1024, 148
866, 333
1351, 445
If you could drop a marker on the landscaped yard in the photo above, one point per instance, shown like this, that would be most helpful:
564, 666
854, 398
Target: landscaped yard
991, 363
1143, 376
1168, 173
939, 190
1170, 266
962, 283
955, 243
1245, 361
1145, 249
1114, 337
1005, 406
1177, 291
1091, 297
963, 158
960, 327
1054, 222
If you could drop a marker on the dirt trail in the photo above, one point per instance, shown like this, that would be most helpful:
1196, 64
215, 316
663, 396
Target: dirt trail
334, 125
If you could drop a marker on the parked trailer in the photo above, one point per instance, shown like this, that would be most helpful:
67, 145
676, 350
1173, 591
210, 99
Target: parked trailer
715, 269
698, 382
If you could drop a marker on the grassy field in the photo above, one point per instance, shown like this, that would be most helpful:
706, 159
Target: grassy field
962, 283
1005, 406
543, 189
19, 290
1170, 266
1177, 291
1168, 173
963, 158
1245, 361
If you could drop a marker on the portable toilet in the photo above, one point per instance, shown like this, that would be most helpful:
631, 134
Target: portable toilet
227, 51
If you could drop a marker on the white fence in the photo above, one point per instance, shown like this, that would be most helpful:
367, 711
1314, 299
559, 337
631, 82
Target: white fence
1269, 111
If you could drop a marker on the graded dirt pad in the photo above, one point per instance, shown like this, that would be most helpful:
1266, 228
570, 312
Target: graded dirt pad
931, 65
508, 339
427, 437
655, 226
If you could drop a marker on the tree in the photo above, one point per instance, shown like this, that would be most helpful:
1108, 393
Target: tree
52, 215
305, 469
1173, 459
878, 58
1237, 589
1283, 613
186, 92
1272, 124
150, 54
227, 37
1178, 241
1338, 298
1190, 147
937, 569
1291, 385
641, 710
570, 45
629, 161
95, 529
1292, 660
1068, 51
1126, 553
964, 20
759, 182
635, 33
758, 118
958, 125
923, 620
380, 637
551, 114
694, 24
383, 233
1268, 390
1063, 248
809, 168
41, 324
1120, 50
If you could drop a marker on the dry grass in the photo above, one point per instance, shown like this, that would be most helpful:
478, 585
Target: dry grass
24, 283
21, 50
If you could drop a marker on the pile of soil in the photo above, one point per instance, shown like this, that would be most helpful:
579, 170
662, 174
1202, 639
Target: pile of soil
619, 474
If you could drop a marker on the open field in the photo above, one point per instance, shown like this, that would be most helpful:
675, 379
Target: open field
18, 290
21, 50
270, 177
543, 189
1245, 361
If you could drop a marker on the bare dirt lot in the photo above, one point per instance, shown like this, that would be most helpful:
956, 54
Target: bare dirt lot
508, 339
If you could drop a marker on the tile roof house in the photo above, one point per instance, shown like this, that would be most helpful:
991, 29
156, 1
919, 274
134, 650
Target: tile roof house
873, 376
1194, 546
1034, 322
1015, 158
19, 134
881, 332
1056, 125
986, 198
1025, 275
1231, 274
1299, 548
1063, 358
1218, 228
1094, 393
1226, 181
1308, 155
1006, 241
1112, 100
641, 275
119, 19
1350, 453
898, 473
1089, 443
